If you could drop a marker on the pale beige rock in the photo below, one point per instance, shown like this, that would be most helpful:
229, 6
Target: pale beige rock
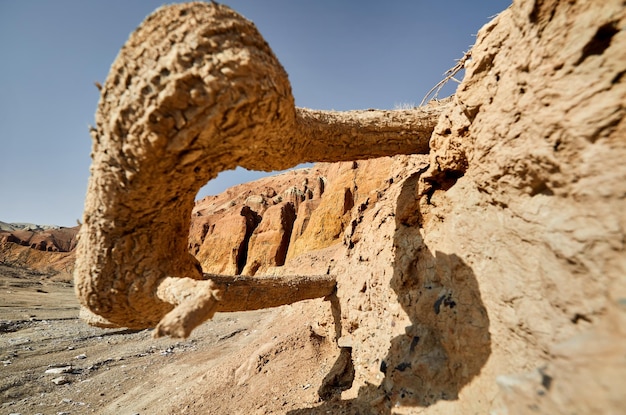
329, 219
305, 211
193, 92
351, 187
514, 233
494, 281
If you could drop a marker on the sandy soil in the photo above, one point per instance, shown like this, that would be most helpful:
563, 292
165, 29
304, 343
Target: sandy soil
270, 361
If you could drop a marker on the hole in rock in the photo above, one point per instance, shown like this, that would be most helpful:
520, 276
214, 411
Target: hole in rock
600, 41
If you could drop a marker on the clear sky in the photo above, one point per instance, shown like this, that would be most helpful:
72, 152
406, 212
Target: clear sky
339, 55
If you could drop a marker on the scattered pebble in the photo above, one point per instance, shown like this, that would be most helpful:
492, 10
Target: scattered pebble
59, 370
19, 340
61, 380
81, 356
167, 351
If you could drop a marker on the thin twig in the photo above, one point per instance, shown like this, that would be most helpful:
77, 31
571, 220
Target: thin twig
449, 74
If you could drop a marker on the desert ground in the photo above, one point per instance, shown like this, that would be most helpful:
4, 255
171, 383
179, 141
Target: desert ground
54, 363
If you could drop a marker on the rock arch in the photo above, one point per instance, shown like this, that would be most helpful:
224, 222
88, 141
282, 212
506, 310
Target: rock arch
196, 90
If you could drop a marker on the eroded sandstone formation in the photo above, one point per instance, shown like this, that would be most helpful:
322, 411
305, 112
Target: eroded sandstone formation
41, 249
254, 227
50, 240
492, 279
195, 91
487, 277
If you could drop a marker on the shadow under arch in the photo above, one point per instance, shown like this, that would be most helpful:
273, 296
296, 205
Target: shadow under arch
448, 341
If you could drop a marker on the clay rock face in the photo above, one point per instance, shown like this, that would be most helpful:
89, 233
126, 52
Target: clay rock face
16, 255
538, 135
46, 249
287, 215
270, 240
222, 239
354, 185
43, 249
225, 242
44, 239
303, 217
327, 222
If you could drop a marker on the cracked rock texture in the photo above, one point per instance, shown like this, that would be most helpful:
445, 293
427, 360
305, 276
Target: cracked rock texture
492, 278
508, 262
486, 277
194, 91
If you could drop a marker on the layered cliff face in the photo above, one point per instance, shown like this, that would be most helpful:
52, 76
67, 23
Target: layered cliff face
248, 228
44, 249
254, 227
50, 239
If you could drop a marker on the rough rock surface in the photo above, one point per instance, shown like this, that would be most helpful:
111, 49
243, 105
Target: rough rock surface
487, 277
194, 91
289, 214
270, 240
224, 245
241, 211
491, 278
494, 281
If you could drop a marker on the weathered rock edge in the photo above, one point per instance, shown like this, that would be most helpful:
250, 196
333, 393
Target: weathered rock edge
195, 91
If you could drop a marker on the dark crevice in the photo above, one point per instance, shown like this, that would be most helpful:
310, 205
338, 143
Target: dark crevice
340, 377
543, 12
444, 180
540, 188
618, 77
546, 380
252, 221
348, 201
600, 41
289, 219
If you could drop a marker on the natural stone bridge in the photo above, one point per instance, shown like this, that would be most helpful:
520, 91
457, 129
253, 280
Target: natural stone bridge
195, 91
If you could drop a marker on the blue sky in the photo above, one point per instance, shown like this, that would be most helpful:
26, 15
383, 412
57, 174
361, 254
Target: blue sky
339, 55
